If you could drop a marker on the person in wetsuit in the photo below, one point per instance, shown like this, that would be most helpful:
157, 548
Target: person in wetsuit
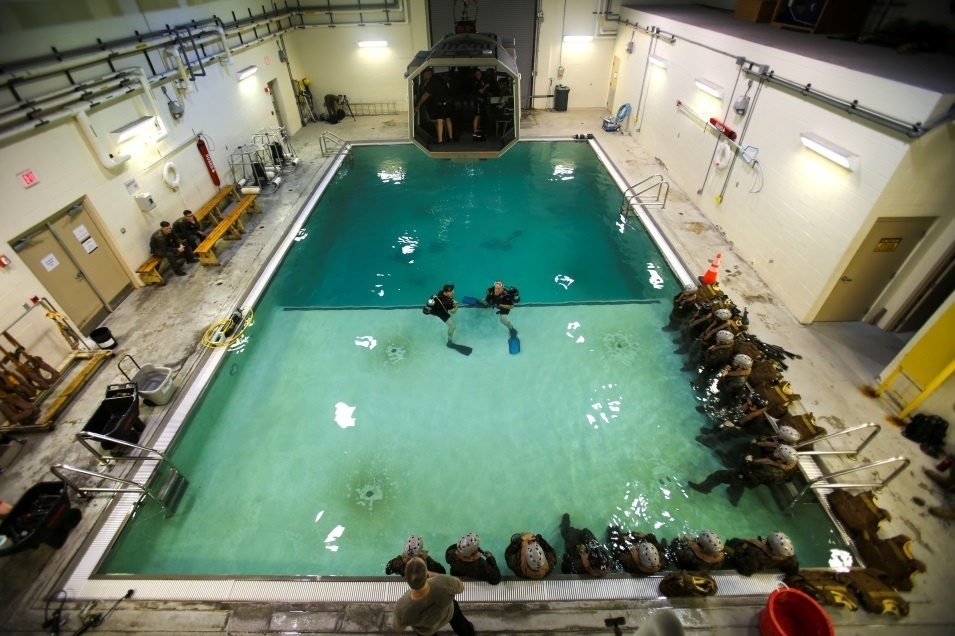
501, 297
467, 559
441, 305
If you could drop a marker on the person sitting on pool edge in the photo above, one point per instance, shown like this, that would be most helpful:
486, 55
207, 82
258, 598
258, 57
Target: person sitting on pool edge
530, 556
467, 559
414, 548
441, 305
502, 298
700, 553
638, 553
583, 554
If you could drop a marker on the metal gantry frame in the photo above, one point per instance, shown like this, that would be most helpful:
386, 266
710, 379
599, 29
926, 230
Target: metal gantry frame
253, 169
279, 145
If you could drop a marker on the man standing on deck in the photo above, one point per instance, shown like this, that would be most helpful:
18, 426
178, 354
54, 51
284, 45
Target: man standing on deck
502, 298
430, 605
441, 305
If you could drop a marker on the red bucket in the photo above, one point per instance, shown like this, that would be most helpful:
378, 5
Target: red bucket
790, 612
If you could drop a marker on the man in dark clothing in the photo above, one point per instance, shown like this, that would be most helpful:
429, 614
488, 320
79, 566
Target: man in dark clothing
529, 556
188, 230
441, 305
778, 468
638, 553
701, 553
583, 554
755, 555
466, 558
414, 548
501, 297
165, 244
430, 605
436, 97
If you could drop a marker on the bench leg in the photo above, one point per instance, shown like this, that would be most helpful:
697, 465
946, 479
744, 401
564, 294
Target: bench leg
208, 258
152, 277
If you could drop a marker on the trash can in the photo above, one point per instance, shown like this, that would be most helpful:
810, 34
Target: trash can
42, 515
561, 94
155, 383
103, 338
117, 417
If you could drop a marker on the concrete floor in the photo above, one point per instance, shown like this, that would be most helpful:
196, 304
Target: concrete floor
162, 325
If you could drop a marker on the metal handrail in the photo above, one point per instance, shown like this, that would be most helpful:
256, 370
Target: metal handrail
56, 470
324, 140
82, 436
815, 483
631, 194
850, 453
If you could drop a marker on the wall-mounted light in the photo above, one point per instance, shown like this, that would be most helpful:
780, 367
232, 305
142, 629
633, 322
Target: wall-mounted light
132, 129
248, 71
578, 38
709, 87
656, 60
372, 44
830, 151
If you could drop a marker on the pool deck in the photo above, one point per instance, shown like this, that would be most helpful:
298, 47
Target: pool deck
162, 325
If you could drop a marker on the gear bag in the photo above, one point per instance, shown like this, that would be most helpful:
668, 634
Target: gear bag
926, 429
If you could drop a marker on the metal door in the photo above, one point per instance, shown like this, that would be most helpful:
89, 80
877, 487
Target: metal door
613, 84
273, 93
87, 246
876, 262
57, 272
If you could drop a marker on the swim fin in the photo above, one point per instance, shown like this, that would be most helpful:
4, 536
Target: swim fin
461, 348
470, 302
514, 345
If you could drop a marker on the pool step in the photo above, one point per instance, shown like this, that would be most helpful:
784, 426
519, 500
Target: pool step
172, 490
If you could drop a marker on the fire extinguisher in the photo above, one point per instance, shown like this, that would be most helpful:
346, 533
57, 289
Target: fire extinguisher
211, 167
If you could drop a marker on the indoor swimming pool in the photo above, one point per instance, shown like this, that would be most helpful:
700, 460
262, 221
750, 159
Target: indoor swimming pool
343, 423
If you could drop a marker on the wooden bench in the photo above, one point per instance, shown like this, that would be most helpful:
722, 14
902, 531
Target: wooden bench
215, 206
231, 225
149, 271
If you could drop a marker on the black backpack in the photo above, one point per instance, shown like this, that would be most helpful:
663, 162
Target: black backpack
926, 429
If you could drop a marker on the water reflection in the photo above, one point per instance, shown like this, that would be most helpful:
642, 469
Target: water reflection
563, 173
343, 415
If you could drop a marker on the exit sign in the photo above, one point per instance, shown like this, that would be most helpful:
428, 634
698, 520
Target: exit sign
28, 178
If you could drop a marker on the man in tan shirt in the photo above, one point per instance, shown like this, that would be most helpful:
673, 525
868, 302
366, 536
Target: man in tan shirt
429, 605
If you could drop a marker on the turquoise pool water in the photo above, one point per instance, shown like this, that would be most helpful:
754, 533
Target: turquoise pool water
344, 423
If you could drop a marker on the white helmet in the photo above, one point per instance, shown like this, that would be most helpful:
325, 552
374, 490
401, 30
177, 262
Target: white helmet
413, 546
534, 554
780, 545
743, 361
788, 454
691, 288
710, 542
788, 434
723, 314
649, 556
724, 337
468, 544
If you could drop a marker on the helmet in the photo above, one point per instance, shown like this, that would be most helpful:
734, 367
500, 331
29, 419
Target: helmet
710, 542
788, 434
788, 454
534, 554
724, 337
413, 546
691, 288
743, 361
723, 314
780, 545
469, 544
649, 556
759, 401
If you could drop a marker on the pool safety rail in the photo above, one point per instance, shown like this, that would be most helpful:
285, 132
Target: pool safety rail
851, 454
168, 493
822, 481
651, 192
332, 144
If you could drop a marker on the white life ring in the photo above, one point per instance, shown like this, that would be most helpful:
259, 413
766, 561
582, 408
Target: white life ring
723, 155
170, 175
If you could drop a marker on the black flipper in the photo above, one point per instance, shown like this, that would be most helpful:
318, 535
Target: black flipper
461, 348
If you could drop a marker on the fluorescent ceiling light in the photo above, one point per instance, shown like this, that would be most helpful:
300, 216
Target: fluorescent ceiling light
130, 130
578, 38
656, 60
372, 44
709, 87
830, 151
248, 71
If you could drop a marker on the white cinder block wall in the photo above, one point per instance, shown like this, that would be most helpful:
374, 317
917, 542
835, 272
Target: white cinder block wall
803, 226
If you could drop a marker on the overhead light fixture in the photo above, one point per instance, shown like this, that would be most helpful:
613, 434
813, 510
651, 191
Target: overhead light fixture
710, 88
656, 60
578, 38
830, 151
130, 130
373, 44
248, 71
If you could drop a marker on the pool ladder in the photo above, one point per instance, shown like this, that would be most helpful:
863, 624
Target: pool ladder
331, 144
654, 185
168, 494
819, 481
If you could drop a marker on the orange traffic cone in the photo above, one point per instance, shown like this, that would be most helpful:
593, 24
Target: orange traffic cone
713, 272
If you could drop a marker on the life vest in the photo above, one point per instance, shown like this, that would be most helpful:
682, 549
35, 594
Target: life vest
857, 513
875, 593
825, 587
680, 584
892, 556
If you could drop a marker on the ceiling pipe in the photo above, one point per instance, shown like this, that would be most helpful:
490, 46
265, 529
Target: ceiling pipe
140, 76
106, 158
32, 103
184, 77
56, 102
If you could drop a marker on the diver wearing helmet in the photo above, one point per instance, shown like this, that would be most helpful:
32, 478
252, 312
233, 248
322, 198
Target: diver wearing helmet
756, 555
778, 468
583, 554
700, 553
414, 547
693, 326
466, 558
732, 380
638, 553
530, 556
684, 305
